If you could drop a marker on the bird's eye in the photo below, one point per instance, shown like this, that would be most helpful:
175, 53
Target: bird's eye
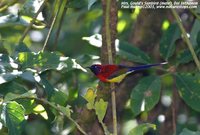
99, 69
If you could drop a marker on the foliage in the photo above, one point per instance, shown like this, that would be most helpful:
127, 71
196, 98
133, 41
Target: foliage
141, 129
189, 132
146, 94
100, 107
45, 91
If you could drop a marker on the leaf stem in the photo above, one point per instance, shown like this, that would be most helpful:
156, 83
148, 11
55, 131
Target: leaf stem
106, 132
60, 25
110, 61
187, 40
57, 109
51, 27
31, 23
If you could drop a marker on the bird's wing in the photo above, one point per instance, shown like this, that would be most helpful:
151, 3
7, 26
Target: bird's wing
120, 71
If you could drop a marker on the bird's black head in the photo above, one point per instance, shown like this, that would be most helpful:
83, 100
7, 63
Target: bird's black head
96, 68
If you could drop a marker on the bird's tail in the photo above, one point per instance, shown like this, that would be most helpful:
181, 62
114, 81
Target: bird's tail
142, 67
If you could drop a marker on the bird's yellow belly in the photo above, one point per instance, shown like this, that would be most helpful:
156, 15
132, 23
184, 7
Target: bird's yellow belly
117, 79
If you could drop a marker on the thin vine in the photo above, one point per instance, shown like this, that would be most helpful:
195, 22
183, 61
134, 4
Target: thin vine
57, 108
51, 27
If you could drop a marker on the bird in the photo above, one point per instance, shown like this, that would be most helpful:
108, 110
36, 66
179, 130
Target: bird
112, 73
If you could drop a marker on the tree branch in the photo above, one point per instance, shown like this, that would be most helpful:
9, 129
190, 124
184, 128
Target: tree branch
110, 61
187, 40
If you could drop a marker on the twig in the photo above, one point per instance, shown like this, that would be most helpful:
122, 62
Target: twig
105, 128
110, 61
51, 28
32, 21
187, 40
59, 26
57, 109
78, 126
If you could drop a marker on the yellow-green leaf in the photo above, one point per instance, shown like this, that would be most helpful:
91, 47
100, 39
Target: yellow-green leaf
100, 109
90, 97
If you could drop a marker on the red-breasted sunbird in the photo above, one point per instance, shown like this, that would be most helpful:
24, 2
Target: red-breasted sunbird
116, 73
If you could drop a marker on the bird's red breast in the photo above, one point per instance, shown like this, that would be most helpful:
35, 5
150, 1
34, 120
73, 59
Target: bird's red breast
106, 71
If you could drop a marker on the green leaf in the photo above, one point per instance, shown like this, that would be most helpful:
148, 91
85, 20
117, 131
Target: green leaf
100, 109
11, 20
185, 56
146, 94
188, 86
198, 9
12, 87
43, 61
167, 43
142, 129
194, 33
17, 20
13, 90
90, 97
66, 110
189, 132
28, 104
28, 76
9, 76
24, 99
30, 7
46, 85
7, 64
198, 39
59, 97
86, 59
132, 53
21, 47
77, 4
12, 115
90, 3
12, 96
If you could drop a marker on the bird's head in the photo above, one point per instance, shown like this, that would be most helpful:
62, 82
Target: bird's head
96, 68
